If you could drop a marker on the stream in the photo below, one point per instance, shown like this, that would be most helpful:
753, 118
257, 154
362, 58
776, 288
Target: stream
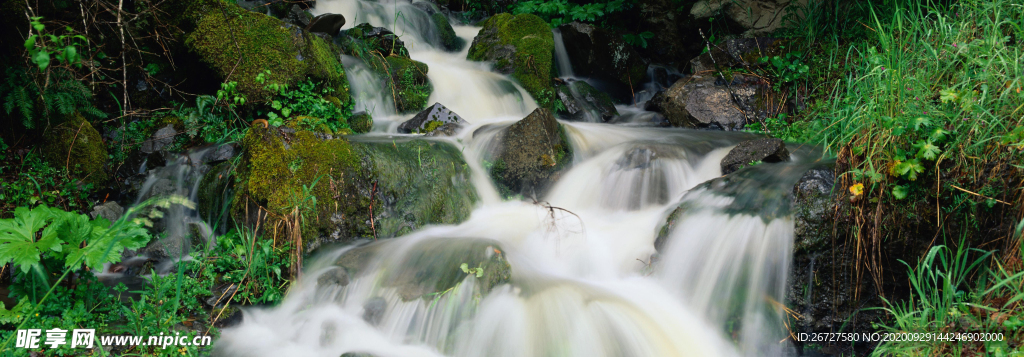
586, 277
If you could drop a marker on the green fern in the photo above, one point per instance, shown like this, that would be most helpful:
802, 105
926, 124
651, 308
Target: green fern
63, 96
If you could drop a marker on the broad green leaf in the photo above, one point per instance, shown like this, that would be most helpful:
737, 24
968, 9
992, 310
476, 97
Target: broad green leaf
927, 150
900, 192
948, 95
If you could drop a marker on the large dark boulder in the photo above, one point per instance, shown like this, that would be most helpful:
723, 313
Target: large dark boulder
78, 147
327, 23
599, 53
583, 102
712, 102
532, 152
750, 151
521, 46
430, 119
753, 17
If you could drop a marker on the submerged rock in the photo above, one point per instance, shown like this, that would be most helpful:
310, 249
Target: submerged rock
332, 277
77, 146
532, 152
431, 266
711, 102
597, 52
581, 100
327, 23
446, 34
159, 140
522, 46
431, 119
111, 211
751, 151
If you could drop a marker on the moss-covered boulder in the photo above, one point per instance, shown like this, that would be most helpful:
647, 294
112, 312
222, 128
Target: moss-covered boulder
76, 145
375, 39
431, 119
532, 152
522, 46
361, 122
216, 189
409, 79
449, 40
432, 266
240, 45
331, 184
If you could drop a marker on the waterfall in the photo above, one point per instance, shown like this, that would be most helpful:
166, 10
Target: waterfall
562, 56
584, 276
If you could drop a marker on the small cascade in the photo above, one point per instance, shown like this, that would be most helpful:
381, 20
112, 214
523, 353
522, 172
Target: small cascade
562, 56
367, 89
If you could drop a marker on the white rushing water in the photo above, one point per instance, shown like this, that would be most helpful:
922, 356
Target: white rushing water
583, 280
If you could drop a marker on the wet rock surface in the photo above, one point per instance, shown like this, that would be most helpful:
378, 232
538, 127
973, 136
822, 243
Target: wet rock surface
597, 52
711, 102
326, 23
111, 211
583, 102
737, 53
431, 119
522, 46
533, 151
752, 151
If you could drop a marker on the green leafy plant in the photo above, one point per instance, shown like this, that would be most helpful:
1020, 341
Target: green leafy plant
42, 48
787, 68
253, 265
559, 12
639, 40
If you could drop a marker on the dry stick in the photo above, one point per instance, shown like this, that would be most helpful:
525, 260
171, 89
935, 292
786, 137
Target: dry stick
372, 194
72, 146
124, 59
982, 196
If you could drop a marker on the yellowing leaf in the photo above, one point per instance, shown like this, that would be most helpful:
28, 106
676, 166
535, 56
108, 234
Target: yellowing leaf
857, 189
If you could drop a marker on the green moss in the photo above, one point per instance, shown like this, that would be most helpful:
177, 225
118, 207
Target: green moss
427, 181
530, 63
449, 39
273, 177
431, 125
240, 45
76, 145
361, 123
409, 78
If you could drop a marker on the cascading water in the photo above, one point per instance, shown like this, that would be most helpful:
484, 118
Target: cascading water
580, 277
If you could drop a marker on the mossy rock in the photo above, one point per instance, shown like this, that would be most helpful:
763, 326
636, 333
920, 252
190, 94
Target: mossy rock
240, 45
533, 151
375, 39
420, 182
433, 266
522, 46
582, 101
409, 78
409, 184
361, 122
282, 171
449, 40
76, 145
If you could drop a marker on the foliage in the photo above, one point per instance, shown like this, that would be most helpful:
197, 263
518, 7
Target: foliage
64, 47
251, 264
559, 12
942, 302
41, 99
787, 68
638, 40
308, 104
29, 181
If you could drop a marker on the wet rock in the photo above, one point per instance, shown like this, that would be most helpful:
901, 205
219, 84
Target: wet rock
219, 154
532, 152
333, 277
812, 202
710, 102
522, 46
298, 17
327, 23
111, 211
583, 102
751, 151
444, 31
755, 16
597, 52
361, 122
159, 140
76, 145
737, 53
221, 295
381, 39
430, 119
408, 183
449, 129
374, 309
